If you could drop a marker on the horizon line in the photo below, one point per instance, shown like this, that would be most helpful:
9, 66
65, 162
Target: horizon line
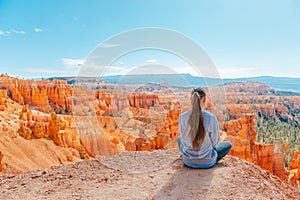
112, 75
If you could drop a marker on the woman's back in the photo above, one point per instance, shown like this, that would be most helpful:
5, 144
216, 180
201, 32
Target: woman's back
202, 155
199, 135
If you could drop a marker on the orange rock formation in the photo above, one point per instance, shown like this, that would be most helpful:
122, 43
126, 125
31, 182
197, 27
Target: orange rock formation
278, 164
171, 124
31, 151
68, 132
59, 95
263, 155
294, 169
41, 95
143, 100
105, 123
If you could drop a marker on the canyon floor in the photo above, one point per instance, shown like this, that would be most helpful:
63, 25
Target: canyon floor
157, 174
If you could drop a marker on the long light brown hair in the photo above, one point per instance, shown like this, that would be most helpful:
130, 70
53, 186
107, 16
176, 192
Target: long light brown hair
197, 132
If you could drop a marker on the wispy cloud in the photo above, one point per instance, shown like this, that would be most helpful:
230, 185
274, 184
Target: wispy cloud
2, 32
72, 63
10, 32
90, 69
17, 32
152, 60
70, 67
37, 30
109, 45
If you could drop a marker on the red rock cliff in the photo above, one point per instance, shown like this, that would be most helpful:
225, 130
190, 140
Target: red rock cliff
142, 100
31, 151
294, 169
278, 164
42, 95
263, 155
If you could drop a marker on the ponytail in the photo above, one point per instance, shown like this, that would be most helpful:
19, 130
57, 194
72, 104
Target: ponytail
197, 131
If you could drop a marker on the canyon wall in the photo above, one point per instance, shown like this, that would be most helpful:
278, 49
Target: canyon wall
243, 146
37, 151
80, 132
142, 100
42, 95
294, 170
106, 123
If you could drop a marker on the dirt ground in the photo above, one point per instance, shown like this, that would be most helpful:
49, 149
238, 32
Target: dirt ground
146, 175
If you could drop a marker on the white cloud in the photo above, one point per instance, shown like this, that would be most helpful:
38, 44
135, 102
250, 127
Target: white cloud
5, 33
91, 69
71, 67
153, 60
2, 32
12, 31
109, 45
37, 30
70, 62
17, 32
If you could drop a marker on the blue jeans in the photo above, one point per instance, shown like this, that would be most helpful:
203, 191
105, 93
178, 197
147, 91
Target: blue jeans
222, 148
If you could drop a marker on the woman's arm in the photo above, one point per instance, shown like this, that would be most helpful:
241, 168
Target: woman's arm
215, 134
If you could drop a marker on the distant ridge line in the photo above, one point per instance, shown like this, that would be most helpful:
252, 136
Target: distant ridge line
284, 84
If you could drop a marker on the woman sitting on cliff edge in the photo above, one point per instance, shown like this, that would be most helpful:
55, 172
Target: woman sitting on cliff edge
199, 135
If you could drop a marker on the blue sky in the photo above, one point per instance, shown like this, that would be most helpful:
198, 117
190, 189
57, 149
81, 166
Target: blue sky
243, 38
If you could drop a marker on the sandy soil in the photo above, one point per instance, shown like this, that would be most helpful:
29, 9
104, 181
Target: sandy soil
146, 175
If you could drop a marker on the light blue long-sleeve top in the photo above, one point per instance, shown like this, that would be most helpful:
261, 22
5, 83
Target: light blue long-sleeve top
204, 156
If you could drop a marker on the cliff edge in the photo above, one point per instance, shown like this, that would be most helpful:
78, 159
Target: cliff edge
157, 174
